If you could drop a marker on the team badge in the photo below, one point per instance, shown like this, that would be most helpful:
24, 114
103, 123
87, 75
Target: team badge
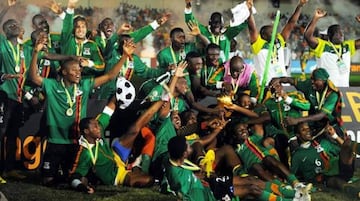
86, 51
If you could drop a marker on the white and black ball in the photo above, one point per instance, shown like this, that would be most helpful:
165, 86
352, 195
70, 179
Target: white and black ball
125, 92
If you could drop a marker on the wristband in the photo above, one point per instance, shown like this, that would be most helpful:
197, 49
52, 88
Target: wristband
219, 84
335, 136
107, 110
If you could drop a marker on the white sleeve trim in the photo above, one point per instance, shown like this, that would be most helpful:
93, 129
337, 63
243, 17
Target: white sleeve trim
188, 11
154, 24
91, 63
253, 100
70, 10
288, 100
219, 84
107, 110
62, 15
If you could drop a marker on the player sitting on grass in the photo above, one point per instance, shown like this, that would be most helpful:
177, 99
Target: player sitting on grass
329, 161
108, 163
188, 186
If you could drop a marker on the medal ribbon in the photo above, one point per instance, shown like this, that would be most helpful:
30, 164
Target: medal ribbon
70, 100
338, 53
79, 48
127, 69
16, 53
173, 55
207, 77
92, 155
174, 104
212, 80
215, 39
322, 100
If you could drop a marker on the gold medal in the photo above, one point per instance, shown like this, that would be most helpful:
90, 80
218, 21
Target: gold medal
17, 69
69, 112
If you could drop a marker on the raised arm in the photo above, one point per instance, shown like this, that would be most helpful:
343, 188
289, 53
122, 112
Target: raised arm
310, 28
195, 31
289, 26
5, 9
252, 28
33, 72
357, 41
128, 48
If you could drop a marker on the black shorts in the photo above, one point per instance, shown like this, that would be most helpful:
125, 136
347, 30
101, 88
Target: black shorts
56, 156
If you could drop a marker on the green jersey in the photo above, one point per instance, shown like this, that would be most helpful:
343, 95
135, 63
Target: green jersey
136, 66
280, 109
223, 40
329, 101
66, 106
87, 49
168, 56
104, 166
14, 61
164, 128
110, 45
309, 161
251, 151
186, 185
212, 77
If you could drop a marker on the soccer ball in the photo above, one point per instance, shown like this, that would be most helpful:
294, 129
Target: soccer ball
125, 92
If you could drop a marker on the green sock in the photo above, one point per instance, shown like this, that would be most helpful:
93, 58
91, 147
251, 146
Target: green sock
286, 192
291, 179
145, 163
278, 182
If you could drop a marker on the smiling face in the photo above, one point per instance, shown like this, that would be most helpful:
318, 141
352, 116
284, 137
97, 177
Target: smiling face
245, 101
107, 27
212, 56
241, 133
194, 65
80, 29
71, 71
304, 132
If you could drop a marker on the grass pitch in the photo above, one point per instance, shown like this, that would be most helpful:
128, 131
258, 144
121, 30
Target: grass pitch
31, 190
